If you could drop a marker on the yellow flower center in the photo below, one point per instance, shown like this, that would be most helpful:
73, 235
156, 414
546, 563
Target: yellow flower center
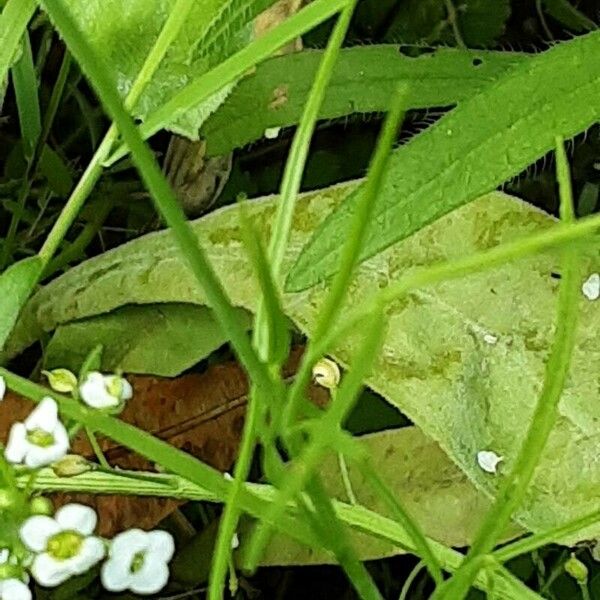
65, 545
39, 437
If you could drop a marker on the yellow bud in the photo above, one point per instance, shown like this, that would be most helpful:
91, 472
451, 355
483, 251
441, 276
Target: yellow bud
576, 569
39, 505
71, 465
326, 373
61, 380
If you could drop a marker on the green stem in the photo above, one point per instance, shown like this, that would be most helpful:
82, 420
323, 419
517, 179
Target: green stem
514, 487
94, 169
263, 337
96, 448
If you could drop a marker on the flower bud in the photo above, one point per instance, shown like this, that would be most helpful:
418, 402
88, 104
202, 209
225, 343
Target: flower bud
326, 373
61, 380
576, 569
71, 465
40, 505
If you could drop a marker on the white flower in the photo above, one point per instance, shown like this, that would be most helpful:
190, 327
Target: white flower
64, 545
105, 391
591, 287
138, 561
2, 388
40, 440
488, 460
14, 589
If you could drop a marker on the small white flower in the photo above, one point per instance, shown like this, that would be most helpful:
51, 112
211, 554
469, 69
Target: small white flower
2, 388
272, 133
488, 460
105, 391
14, 589
591, 287
40, 440
64, 545
137, 561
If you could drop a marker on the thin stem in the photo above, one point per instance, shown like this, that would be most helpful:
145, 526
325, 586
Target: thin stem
453, 20
94, 170
514, 487
410, 580
263, 335
96, 448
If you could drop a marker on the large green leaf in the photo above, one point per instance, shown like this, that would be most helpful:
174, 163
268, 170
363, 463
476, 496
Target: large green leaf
162, 339
363, 81
470, 151
463, 359
122, 34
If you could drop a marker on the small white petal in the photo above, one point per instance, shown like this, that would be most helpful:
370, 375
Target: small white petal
272, 133
126, 390
490, 339
591, 287
38, 456
116, 574
128, 543
13, 589
488, 460
91, 552
235, 542
4, 554
77, 517
49, 571
150, 579
2, 388
17, 445
94, 393
44, 416
161, 545
37, 530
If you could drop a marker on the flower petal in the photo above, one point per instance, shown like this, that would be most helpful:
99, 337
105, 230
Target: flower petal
151, 578
128, 543
17, 445
48, 571
13, 589
37, 530
44, 416
91, 552
38, 456
94, 393
77, 517
161, 545
116, 574
2, 388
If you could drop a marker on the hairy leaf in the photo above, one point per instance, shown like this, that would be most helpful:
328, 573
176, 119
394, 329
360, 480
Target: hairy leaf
431, 488
162, 339
463, 359
470, 151
363, 81
123, 34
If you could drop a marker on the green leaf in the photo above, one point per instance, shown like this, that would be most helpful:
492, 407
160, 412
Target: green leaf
428, 484
566, 14
473, 149
123, 34
464, 359
16, 285
162, 339
363, 81
479, 23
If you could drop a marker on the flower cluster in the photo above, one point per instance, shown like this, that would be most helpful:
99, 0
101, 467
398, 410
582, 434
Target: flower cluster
64, 545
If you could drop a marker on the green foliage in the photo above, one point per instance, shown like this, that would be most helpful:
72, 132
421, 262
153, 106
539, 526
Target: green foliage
123, 34
428, 484
363, 82
16, 285
463, 359
162, 339
567, 14
476, 147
